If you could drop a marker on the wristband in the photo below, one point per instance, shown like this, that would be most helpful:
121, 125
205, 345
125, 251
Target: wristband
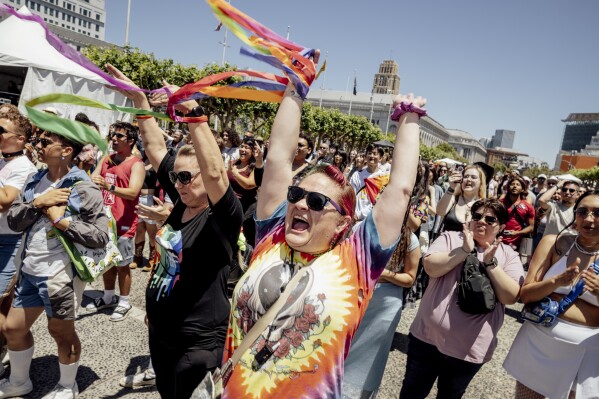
111, 188
199, 119
403, 108
55, 222
450, 191
466, 252
196, 112
143, 117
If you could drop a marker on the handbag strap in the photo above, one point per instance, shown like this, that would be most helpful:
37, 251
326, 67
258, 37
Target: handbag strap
264, 321
574, 293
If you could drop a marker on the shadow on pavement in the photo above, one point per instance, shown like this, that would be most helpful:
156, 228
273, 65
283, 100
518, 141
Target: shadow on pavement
45, 375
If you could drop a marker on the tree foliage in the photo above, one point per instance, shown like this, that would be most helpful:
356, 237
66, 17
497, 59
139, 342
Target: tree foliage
147, 71
441, 151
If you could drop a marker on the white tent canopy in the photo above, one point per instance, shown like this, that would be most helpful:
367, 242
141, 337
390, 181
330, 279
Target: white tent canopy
50, 72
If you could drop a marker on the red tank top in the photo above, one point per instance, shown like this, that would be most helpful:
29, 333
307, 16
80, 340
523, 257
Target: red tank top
123, 210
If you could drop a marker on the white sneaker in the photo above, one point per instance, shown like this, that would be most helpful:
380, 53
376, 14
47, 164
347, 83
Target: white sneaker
143, 379
60, 392
99, 304
8, 390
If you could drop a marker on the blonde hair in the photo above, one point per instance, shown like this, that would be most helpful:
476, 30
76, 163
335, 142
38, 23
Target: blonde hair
482, 190
187, 150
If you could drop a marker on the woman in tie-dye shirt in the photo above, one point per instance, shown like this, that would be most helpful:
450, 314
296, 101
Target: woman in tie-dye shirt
305, 226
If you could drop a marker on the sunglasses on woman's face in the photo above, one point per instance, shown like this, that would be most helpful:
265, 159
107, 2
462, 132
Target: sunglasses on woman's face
585, 212
315, 201
490, 220
184, 177
119, 136
44, 142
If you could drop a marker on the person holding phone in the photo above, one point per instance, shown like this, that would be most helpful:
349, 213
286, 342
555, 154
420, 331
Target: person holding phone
559, 213
466, 186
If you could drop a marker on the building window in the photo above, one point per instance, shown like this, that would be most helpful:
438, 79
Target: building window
97, 37
97, 28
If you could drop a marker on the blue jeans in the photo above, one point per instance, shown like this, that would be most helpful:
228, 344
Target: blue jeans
9, 245
426, 364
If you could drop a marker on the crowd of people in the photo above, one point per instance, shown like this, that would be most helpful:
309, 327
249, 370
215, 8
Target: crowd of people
287, 263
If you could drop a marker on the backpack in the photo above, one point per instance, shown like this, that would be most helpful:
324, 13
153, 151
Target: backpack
474, 289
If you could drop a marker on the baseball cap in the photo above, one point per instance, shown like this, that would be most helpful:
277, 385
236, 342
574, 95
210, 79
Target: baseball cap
553, 178
542, 176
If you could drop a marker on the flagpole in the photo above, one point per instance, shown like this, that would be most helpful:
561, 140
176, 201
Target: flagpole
222, 64
288, 30
324, 78
371, 106
351, 97
127, 26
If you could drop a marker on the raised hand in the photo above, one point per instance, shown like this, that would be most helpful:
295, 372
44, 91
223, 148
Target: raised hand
159, 99
410, 99
491, 249
468, 245
455, 179
120, 76
258, 155
54, 197
100, 182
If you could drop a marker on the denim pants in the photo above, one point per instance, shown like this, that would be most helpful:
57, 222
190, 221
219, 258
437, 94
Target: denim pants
426, 364
9, 245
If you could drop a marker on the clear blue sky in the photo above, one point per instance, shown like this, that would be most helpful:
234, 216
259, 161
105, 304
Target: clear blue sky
483, 65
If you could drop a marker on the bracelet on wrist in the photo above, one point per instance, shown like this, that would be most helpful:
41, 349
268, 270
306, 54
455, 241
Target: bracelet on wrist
404, 108
57, 220
199, 119
143, 117
466, 252
450, 190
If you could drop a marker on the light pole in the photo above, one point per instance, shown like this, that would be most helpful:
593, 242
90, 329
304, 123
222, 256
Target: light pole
127, 25
324, 78
389, 114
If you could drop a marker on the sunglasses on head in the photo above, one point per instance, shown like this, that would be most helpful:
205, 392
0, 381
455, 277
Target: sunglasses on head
490, 220
569, 190
315, 201
184, 177
585, 212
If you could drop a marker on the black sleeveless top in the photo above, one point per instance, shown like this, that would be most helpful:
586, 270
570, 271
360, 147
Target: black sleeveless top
451, 222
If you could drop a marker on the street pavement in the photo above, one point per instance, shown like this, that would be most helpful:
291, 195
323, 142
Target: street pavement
110, 350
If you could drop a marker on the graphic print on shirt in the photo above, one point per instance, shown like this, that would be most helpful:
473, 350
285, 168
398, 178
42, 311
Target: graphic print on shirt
305, 329
169, 254
110, 179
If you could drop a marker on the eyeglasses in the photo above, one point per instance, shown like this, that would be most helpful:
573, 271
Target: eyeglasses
569, 190
117, 135
315, 201
45, 142
444, 170
585, 212
490, 220
551, 183
184, 177
471, 177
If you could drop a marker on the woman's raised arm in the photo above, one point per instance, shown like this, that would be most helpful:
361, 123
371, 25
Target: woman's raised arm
283, 144
391, 207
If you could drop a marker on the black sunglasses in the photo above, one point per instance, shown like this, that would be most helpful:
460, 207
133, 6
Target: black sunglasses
551, 183
569, 190
45, 142
584, 212
3, 130
117, 135
315, 201
490, 220
184, 177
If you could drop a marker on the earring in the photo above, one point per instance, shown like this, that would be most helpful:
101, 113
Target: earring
62, 158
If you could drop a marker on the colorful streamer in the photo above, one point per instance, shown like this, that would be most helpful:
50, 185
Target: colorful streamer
67, 51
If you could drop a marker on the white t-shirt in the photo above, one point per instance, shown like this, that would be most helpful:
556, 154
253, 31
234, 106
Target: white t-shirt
363, 204
558, 217
44, 254
230, 153
14, 173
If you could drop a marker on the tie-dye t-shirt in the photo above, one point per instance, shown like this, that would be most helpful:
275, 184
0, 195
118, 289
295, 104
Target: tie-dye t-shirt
311, 335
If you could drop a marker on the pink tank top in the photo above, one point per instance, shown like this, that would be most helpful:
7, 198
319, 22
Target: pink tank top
560, 267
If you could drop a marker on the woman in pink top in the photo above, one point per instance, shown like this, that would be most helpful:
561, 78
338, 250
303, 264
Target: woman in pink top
562, 361
445, 342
